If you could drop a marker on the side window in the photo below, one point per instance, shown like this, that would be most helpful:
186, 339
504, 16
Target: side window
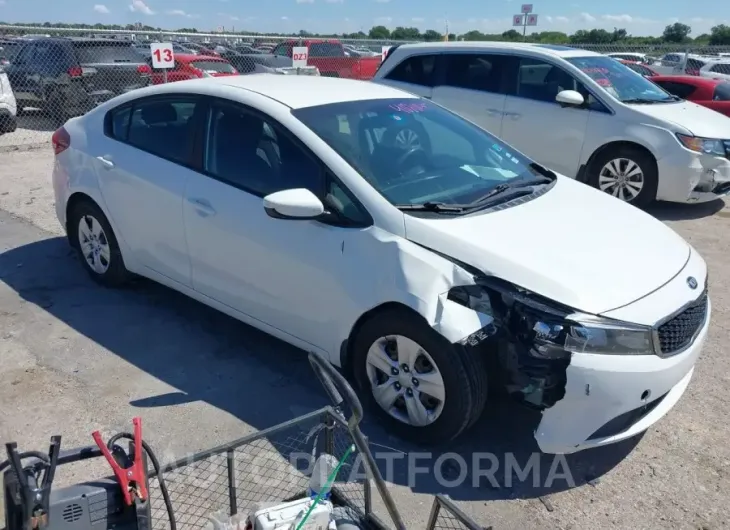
117, 123
475, 71
25, 54
694, 64
163, 127
721, 69
253, 154
416, 70
284, 49
339, 200
681, 90
542, 81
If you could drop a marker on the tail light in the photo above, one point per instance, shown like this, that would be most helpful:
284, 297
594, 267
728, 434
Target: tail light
60, 140
75, 71
144, 69
693, 72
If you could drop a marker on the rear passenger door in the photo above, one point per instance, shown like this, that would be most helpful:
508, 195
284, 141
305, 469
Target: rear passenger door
472, 86
143, 163
416, 74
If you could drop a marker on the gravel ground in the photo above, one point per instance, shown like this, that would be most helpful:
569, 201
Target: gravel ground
78, 357
34, 129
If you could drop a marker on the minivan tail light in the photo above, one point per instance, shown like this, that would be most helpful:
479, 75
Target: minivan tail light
61, 141
75, 71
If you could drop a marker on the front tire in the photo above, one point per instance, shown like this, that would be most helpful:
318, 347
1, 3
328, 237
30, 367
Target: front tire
93, 237
628, 173
418, 382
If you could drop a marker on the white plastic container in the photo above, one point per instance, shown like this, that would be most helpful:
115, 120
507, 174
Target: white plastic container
287, 516
323, 468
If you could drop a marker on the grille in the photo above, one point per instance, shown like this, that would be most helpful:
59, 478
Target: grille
677, 333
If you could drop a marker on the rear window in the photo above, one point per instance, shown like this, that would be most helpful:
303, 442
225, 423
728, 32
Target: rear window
104, 52
214, 67
326, 49
722, 92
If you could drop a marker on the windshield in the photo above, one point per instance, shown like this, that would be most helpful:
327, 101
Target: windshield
414, 152
214, 67
621, 81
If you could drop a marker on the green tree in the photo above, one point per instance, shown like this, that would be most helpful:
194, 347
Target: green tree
401, 33
720, 35
512, 35
379, 32
676, 33
431, 35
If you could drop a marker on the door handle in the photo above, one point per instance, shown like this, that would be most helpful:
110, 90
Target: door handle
494, 112
203, 207
106, 162
513, 115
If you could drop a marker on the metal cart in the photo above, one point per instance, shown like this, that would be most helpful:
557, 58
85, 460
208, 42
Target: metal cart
273, 465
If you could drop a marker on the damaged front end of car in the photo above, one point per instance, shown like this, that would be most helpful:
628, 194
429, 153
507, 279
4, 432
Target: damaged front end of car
534, 339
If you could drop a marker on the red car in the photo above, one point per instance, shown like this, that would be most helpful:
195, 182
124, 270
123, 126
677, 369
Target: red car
711, 93
194, 67
640, 68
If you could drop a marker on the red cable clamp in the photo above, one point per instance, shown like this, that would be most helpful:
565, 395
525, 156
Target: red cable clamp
132, 479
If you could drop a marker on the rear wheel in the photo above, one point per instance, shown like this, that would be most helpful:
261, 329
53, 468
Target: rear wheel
94, 239
416, 380
628, 173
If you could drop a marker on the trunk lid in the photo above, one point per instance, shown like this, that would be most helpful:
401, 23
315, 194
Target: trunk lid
110, 68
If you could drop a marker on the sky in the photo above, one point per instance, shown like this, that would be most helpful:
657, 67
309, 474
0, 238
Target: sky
648, 17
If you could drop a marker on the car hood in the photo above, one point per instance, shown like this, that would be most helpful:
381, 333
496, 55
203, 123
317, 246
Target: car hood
698, 120
574, 245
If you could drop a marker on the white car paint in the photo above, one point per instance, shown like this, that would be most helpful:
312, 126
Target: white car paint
8, 105
216, 244
530, 125
719, 69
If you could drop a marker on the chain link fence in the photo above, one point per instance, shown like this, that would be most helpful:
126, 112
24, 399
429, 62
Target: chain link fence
49, 80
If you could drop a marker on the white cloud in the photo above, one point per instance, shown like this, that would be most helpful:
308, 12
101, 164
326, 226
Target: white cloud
2, 2
138, 6
418, 20
305, 1
624, 19
177, 13
587, 17
99, 8
284, 18
382, 1
335, 1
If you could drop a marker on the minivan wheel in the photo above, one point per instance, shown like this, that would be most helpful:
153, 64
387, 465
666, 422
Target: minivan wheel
94, 239
414, 379
627, 173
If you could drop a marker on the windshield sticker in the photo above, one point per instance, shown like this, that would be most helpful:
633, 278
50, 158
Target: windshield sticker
497, 147
595, 70
397, 118
408, 108
603, 82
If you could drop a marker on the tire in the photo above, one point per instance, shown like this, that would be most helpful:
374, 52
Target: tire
464, 394
626, 159
110, 270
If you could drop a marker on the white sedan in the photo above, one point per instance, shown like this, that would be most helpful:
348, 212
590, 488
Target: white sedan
409, 247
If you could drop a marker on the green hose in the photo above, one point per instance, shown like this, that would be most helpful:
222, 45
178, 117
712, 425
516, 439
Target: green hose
327, 486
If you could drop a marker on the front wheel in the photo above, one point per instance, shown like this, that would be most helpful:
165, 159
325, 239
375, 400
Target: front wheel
628, 173
416, 380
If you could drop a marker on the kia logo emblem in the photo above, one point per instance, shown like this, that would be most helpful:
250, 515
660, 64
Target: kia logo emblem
692, 282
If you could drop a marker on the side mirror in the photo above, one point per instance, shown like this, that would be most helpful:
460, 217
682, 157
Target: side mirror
297, 203
570, 98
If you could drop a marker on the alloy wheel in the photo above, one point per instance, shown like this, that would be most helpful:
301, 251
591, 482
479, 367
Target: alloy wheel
621, 177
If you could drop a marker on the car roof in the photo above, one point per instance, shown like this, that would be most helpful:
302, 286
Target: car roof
189, 57
299, 91
547, 50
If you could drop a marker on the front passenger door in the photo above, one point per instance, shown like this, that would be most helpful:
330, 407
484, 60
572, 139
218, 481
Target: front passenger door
537, 125
291, 276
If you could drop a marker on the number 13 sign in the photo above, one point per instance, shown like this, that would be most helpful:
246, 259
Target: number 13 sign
162, 55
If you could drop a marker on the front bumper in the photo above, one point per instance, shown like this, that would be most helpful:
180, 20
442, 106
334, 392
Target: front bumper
612, 398
690, 177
